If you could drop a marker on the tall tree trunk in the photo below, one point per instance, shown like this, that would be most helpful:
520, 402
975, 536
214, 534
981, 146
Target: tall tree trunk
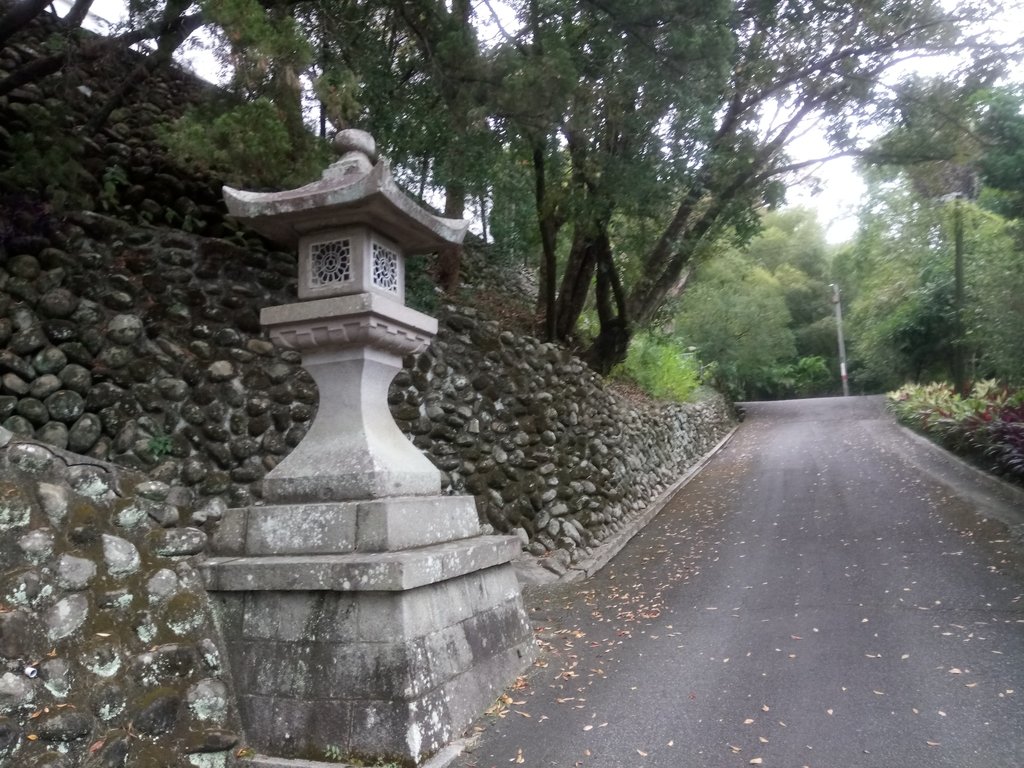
548, 238
483, 217
449, 260
576, 280
697, 215
614, 334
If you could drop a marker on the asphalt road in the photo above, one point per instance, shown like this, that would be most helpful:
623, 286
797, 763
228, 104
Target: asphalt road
829, 591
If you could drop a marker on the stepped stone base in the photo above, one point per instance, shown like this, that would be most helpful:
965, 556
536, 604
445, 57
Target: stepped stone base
375, 653
377, 525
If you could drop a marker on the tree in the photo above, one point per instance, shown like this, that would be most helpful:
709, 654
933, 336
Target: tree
809, 61
715, 163
791, 245
946, 133
736, 316
650, 129
787, 260
602, 94
1001, 134
900, 282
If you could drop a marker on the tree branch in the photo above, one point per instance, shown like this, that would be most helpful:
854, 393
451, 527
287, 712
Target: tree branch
48, 65
18, 16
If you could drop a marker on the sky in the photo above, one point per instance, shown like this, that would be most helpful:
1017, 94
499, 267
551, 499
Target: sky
836, 189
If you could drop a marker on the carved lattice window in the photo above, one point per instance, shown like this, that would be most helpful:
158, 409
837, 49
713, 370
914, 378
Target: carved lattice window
385, 268
330, 262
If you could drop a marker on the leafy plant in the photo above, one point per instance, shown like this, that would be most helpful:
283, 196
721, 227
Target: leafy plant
334, 752
987, 424
114, 178
660, 367
160, 445
247, 143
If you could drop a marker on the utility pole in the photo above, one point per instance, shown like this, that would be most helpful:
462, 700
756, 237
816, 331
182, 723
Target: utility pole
842, 343
959, 366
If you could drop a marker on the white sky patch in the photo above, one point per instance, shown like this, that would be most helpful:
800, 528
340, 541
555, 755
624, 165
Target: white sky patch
835, 189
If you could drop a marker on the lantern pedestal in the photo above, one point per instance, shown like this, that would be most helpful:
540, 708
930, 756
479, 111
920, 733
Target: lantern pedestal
352, 346
362, 610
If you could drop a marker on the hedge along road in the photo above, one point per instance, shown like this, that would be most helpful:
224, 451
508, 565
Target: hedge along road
829, 591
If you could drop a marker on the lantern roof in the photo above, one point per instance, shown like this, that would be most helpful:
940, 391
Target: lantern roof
358, 189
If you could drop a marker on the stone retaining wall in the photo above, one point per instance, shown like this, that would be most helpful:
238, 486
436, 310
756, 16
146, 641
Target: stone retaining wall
142, 346
550, 452
108, 651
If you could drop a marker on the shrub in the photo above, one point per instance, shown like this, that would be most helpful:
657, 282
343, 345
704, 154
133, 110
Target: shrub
249, 144
660, 367
987, 424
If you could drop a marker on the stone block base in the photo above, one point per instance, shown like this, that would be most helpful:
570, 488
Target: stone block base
388, 654
376, 525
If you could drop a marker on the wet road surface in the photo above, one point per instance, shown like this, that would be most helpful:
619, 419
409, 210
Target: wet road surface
827, 592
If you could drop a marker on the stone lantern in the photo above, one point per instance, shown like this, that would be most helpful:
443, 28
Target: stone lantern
362, 609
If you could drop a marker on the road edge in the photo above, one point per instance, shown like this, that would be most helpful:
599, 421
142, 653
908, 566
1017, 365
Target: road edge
532, 574
1011, 493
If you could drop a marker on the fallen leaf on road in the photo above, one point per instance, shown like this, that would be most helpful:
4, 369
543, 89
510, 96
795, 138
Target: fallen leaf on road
518, 759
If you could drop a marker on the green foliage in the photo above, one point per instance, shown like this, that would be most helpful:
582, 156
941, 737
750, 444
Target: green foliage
1001, 129
160, 445
338, 92
113, 181
48, 162
736, 316
248, 145
898, 279
334, 753
987, 424
420, 288
807, 377
659, 367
